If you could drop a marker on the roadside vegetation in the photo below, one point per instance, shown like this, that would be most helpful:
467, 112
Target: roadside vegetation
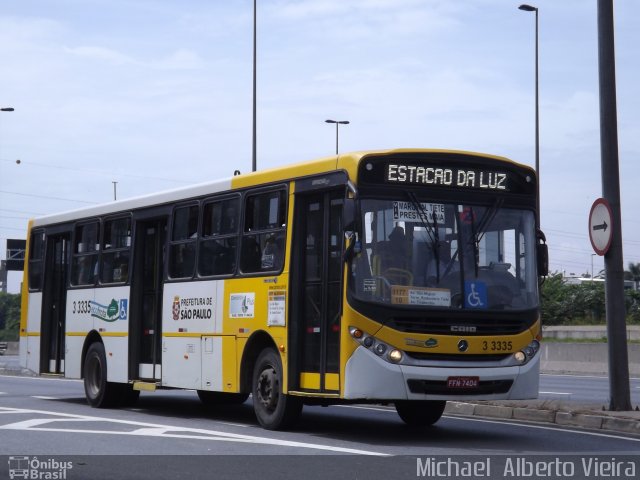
583, 304
9, 316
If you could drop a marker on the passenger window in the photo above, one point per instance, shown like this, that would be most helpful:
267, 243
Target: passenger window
218, 245
264, 232
84, 266
116, 243
36, 259
182, 249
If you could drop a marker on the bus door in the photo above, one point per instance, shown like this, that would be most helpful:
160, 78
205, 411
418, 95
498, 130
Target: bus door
52, 334
145, 327
316, 297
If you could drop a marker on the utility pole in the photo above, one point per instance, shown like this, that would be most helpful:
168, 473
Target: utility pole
115, 196
614, 271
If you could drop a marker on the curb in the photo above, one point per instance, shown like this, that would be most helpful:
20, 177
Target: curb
623, 422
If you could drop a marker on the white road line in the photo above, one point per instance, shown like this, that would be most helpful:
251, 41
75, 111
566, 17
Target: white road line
59, 379
542, 427
164, 431
44, 397
555, 393
517, 424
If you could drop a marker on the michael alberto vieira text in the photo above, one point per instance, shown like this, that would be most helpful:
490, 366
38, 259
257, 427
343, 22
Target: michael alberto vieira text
519, 467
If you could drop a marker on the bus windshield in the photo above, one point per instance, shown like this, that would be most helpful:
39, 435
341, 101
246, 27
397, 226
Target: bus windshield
425, 254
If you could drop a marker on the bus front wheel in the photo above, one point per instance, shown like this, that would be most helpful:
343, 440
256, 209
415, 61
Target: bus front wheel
274, 410
420, 413
99, 392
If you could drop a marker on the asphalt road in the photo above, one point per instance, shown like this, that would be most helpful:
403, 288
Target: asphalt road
170, 433
588, 389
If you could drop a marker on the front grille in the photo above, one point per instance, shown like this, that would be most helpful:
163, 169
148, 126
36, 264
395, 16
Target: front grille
438, 387
457, 357
442, 327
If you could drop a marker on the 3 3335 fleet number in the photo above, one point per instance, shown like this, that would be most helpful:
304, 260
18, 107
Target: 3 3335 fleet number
497, 345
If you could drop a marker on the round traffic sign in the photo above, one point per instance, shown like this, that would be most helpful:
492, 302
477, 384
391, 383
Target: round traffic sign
600, 223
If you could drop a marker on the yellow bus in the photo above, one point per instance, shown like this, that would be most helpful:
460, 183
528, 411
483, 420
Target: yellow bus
405, 276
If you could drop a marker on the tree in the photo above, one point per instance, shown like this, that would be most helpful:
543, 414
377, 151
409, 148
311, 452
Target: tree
634, 270
9, 316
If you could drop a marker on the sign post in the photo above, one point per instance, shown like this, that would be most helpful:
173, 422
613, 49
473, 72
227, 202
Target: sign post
619, 391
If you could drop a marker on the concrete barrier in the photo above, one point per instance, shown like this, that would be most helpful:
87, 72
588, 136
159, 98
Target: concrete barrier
563, 332
584, 358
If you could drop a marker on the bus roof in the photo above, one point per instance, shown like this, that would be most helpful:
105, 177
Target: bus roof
345, 161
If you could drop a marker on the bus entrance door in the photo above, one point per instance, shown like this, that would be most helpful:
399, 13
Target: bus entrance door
315, 304
52, 344
145, 336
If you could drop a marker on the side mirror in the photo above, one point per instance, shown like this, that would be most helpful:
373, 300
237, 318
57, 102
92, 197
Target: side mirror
542, 254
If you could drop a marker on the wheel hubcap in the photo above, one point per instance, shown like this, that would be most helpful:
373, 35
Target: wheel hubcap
268, 388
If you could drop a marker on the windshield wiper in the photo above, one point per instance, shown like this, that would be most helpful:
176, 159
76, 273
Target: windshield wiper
431, 231
478, 231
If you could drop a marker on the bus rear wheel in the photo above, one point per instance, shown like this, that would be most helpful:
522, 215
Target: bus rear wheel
274, 410
98, 391
420, 413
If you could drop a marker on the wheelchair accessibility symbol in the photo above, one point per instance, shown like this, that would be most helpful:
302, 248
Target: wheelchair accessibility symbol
475, 294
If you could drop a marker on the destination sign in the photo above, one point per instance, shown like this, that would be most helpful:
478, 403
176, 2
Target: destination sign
447, 177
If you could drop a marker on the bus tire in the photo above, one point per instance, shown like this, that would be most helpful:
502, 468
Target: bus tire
99, 392
274, 410
420, 413
222, 398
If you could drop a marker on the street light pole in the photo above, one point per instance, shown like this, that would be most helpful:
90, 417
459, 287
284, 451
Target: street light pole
338, 123
529, 8
253, 150
7, 109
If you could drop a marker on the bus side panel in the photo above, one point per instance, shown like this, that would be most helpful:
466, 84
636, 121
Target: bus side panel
191, 307
73, 352
181, 362
212, 363
190, 310
110, 315
117, 359
30, 355
105, 310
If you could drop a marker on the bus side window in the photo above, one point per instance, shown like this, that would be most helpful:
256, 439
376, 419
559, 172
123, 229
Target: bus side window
36, 259
182, 250
84, 266
217, 251
264, 232
115, 250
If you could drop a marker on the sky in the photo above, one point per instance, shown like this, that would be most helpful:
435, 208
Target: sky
157, 94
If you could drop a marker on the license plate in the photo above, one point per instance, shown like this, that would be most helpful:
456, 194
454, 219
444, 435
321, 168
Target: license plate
463, 382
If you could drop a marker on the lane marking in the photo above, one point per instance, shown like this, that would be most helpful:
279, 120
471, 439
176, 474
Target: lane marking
162, 431
580, 376
517, 424
557, 428
44, 397
43, 378
555, 393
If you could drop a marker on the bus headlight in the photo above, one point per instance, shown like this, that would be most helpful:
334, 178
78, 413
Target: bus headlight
395, 355
380, 348
527, 353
